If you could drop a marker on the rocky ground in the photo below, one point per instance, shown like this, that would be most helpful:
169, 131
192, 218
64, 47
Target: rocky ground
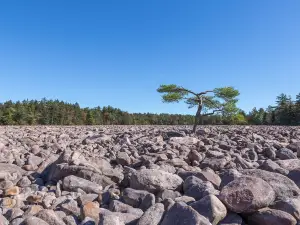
149, 175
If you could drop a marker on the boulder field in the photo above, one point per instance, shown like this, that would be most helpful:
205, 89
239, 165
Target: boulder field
149, 175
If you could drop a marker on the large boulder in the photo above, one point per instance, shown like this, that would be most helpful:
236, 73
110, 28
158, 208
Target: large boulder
180, 214
294, 175
205, 175
271, 216
153, 180
289, 164
50, 217
232, 219
32, 220
10, 172
247, 194
282, 185
285, 153
73, 183
185, 140
290, 205
211, 208
272, 166
153, 215
138, 198
295, 147
197, 188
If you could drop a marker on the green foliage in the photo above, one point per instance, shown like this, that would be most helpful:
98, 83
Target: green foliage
172, 93
219, 99
208, 102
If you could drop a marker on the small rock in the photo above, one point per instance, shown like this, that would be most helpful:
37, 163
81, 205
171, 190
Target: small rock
110, 219
8, 203
13, 213
33, 210
70, 207
12, 191
83, 199
123, 159
24, 182
91, 210
32, 220
50, 217
153, 215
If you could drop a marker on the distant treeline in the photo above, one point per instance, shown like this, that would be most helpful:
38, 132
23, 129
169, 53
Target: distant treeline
55, 112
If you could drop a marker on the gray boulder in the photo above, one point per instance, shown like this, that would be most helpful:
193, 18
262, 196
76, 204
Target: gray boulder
232, 219
289, 164
180, 214
247, 194
285, 153
290, 205
271, 166
197, 188
282, 185
110, 219
50, 217
153, 180
153, 215
211, 208
138, 198
32, 220
73, 183
294, 175
271, 216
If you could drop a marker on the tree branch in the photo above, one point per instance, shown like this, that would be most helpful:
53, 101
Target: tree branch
183, 89
204, 92
213, 112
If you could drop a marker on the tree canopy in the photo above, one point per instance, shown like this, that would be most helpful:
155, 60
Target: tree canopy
219, 100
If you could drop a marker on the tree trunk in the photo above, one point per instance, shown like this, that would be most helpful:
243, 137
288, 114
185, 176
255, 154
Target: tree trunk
197, 116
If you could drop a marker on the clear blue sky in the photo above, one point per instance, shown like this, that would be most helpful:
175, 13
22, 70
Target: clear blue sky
118, 52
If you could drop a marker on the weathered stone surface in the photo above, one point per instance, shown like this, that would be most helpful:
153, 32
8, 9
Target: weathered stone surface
232, 219
180, 214
155, 180
271, 216
282, 185
271, 166
12, 191
294, 175
138, 198
117, 206
13, 213
153, 215
289, 164
197, 188
211, 208
119, 174
110, 219
285, 153
32, 220
290, 205
73, 183
247, 194
50, 217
